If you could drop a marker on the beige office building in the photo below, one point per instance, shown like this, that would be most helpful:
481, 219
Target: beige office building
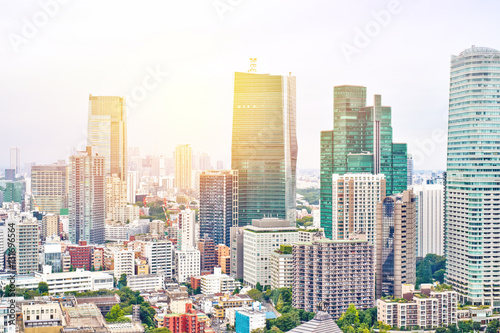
49, 186
183, 168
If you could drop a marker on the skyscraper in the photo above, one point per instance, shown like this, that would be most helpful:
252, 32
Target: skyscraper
361, 141
86, 199
15, 159
49, 186
183, 167
472, 191
410, 170
396, 254
107, 132
218, 205
264, 146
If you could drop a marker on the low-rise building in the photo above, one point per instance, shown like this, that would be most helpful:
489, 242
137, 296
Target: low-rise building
43, 317
282, 267
231, 301
431, 307
218, 283
186, 322
146, 282
248, 320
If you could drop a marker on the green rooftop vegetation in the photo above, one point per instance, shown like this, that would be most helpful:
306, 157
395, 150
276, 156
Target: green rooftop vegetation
442, 287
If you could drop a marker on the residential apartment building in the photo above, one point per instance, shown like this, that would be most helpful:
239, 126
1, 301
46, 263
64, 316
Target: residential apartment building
49, 187
281, 266
260, 240
50, 226
396, 244
334, 273
218, 283
159, 255
146, 282
188, 264
124, 263
27, 238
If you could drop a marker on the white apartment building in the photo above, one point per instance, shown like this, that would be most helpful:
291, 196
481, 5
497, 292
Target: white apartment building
437, 308
354, 204
218, 283
79, 281
281, 266
261, 239
117, 233
27, 238
123, 263
430, 219
146, 282
311, 234
126, 213
186, 236
160, 257
188, 264
250, 318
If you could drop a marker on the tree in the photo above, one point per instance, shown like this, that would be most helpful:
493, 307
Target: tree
476, 326
116, 314
197, 291
258, 286
160, 330
123, 280
350, 318
43, 287
258, 330
280, 303
493, 326
255, 294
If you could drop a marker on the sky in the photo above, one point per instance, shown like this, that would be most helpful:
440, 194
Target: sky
175, 61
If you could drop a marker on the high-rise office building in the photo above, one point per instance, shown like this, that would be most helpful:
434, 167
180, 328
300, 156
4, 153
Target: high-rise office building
218, 205
361, 141
131, 186
86, 198
208, 257
186, 238
410, 170
49, 186
15, 159
107, 133
430, 215
183, 167
472, 192
396, 253
264, 146
335, 274
354, 201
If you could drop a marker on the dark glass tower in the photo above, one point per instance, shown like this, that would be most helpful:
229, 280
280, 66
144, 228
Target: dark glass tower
361, 141
264, 146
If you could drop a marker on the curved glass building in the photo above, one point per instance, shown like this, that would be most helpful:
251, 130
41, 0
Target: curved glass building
472, 219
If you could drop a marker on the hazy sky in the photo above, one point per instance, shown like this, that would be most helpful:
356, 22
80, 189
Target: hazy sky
52, 59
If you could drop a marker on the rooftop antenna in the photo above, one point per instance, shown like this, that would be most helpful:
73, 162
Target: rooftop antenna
253, 65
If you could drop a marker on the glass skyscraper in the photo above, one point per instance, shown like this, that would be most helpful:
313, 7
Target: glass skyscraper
361, 141
264, 146
472, 221
107, 132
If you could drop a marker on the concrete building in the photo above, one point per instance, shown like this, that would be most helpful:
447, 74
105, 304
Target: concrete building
186, 236
281, 266
208, 257
430, 218
429, 308
218, 283
123, 263
52, 256
188, 264
50, 226
15, 159
49, 187
218, 204
223, 253
127, 213
116, 196
237, 252
354, 201
87, 197
260, 240
396, 244
157, 227
335, 273
311, 234
146, 282
160, 257
27, 238
132, 181
248, 320
42, 317
183, 167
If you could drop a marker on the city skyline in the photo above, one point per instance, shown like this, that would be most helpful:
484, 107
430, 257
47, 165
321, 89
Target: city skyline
392, 74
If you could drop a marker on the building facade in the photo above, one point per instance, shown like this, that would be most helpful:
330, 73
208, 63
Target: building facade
361, 141
218, 204
264, 146
49, 187
472, 191
183, 167
87, 198
430, 216
396, 244
334, 273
